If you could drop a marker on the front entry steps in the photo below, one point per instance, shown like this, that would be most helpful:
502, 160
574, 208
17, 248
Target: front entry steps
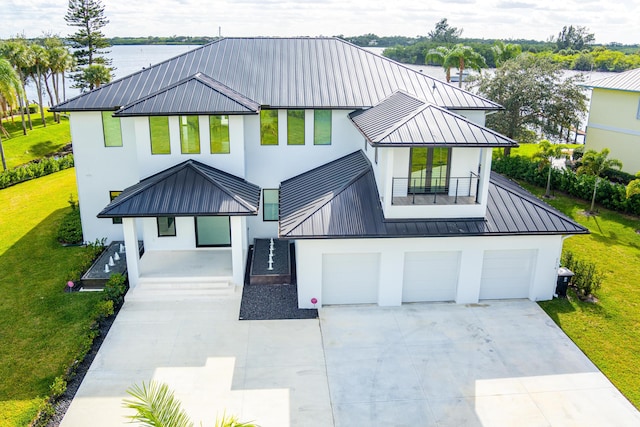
180, 288
271, 262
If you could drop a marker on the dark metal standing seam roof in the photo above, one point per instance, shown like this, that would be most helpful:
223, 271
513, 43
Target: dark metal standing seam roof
339, 198
197, 94
187, 189
404, 121
348, 206
285, 73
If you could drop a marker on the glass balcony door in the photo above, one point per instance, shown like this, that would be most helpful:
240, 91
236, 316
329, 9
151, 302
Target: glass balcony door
430, 170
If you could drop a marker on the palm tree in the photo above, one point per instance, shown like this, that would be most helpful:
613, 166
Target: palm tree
157, 406
10, 90
20, 56
439, 56
502, 52
594, 163
95, 75
40, 65
459, 56
546, 153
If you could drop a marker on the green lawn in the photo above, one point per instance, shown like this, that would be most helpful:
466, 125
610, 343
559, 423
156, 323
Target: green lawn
529, 150
608, 332
40, 141
41, 327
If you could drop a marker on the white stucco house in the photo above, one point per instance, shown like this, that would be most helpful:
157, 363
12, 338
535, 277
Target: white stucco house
614, 118
378, 174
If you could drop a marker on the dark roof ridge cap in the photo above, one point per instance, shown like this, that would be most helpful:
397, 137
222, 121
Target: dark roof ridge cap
211, 82
198, 168
530, 197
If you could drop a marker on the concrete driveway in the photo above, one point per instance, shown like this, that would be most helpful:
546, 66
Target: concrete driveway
495, 364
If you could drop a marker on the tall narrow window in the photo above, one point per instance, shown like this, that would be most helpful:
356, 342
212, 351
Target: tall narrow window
213, 231
295, 127
159, 129
189, 135
270, 204
112, 130
430, 170
268, 127
219, 134
113, 195
166, 226
322, 127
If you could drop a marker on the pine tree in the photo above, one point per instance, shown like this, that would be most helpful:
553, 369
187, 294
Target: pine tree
89, 42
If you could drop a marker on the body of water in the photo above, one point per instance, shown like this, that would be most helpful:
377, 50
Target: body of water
129, 59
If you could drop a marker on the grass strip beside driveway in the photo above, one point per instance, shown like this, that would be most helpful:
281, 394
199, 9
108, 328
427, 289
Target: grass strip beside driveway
42, 329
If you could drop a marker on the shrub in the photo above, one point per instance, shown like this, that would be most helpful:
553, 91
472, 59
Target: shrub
70, 230
104, 309
114, 289
35, 169
611, 195
587, 278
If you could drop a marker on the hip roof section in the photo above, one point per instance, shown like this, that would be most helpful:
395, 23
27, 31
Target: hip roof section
404, 121
284, 73
320, 205
187, 189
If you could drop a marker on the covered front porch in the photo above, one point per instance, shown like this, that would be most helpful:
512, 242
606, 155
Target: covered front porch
191, 218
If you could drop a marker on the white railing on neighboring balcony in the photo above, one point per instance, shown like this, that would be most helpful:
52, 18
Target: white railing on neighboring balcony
435, 190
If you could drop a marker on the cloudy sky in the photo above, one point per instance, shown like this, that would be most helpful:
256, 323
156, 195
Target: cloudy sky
610, 21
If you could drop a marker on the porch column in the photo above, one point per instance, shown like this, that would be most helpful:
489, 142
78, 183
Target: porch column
132, 250
238, 238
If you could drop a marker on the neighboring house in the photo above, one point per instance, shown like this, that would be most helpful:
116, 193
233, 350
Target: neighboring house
614, 118
380, 175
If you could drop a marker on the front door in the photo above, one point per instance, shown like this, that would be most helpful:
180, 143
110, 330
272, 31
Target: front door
430, 170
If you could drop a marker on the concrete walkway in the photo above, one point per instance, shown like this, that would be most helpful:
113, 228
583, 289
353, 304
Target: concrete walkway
497, 364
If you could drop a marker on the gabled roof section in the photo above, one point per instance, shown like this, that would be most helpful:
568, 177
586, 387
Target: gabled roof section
340, 200
285, 73
627, 81
336, 199
187, 189
405, 121
197, 94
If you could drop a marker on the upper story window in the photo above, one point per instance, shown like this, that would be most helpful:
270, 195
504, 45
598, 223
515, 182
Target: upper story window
268, 127
322, 127
189, 135
295, 127
638, 113
159, 129
219, 134
111, 129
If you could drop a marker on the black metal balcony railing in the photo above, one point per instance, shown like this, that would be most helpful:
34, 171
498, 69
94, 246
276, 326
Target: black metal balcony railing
435, 190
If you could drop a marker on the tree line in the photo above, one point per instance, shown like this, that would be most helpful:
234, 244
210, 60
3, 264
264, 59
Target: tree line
572, 48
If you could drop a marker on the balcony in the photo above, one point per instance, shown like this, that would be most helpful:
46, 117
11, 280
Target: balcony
461, 190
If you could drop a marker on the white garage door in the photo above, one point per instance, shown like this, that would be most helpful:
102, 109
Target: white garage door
430, 276
350, 278
507, 274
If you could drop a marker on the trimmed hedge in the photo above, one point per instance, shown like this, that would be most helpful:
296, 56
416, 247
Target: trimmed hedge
610, 195
35, 169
